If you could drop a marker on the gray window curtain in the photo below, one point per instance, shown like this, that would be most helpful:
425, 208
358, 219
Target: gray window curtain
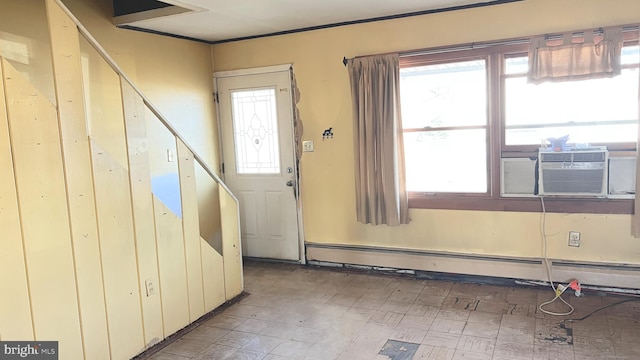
381, 196
570, 58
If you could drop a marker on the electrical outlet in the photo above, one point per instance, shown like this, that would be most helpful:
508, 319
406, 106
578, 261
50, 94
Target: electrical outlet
307, 145
574, 238
170, 155
151, 289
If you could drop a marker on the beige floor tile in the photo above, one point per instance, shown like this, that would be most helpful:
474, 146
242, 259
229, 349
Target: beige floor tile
629, 350
485, 330
438, 339
407, 334
518, 322
269, 314
368, 303
460, 303
448, 326
386, 317
423, 310
373, 334
242, 310
217, 352
225, 322
323, 352
468, 355
476, 344
497, 308
454, 314
395, 306
278, 330
437, 288
235, 339
418, 322
522, 310
184, 347
516, 335
262, 343
464, 290
484, 317
553, 352
165, 356
308, 335
206, 334
492, 293
297, 312
254, 326
343, 300
513, 351
377, 293
247, 355
403, 296
291, 348
429, 300
275, 357
592, 346
426, 352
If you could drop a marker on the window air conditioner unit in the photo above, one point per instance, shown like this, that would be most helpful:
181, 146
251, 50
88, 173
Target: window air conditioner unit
576, 172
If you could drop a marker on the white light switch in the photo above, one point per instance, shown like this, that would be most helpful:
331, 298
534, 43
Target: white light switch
307, 145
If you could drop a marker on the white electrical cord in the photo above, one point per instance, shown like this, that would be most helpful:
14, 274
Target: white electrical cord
557, 290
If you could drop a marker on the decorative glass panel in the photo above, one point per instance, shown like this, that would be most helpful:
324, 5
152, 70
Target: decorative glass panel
255, 131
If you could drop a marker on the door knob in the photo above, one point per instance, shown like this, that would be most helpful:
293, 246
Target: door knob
290, 183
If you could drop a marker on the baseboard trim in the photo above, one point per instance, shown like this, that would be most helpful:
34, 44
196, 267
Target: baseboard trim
596, 274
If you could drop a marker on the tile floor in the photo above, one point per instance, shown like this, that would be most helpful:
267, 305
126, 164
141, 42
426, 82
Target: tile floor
297, 312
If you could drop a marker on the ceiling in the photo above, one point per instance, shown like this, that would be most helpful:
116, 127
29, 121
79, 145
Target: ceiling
215, 21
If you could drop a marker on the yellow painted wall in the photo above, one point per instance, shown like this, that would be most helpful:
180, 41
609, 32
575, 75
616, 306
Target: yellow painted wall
174, 74
327, 174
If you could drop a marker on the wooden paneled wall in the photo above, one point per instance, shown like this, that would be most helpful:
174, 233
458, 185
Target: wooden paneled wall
88, 255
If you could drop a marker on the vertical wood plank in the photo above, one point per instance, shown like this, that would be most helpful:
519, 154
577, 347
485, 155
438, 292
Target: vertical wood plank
145, 233
41, 193
15, 310
117, 247
173, 274
191, 230
212, 276
67, 70
231, 253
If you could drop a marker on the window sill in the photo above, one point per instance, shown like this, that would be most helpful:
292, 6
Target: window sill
552, 204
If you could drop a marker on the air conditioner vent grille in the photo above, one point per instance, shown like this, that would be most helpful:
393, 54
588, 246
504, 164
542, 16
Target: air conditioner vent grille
573, 181
573, 157
589, 157
556, 157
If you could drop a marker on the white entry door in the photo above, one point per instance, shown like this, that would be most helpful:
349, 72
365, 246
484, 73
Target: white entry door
258, 159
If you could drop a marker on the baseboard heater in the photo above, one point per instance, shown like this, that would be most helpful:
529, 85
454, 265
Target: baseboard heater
417, 261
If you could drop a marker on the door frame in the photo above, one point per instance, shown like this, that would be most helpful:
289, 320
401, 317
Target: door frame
260, 71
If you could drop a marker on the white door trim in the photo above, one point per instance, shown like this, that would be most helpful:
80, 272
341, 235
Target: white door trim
258, 71
252, 71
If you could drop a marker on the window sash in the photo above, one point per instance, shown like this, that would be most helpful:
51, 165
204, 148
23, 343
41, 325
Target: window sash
495, 130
